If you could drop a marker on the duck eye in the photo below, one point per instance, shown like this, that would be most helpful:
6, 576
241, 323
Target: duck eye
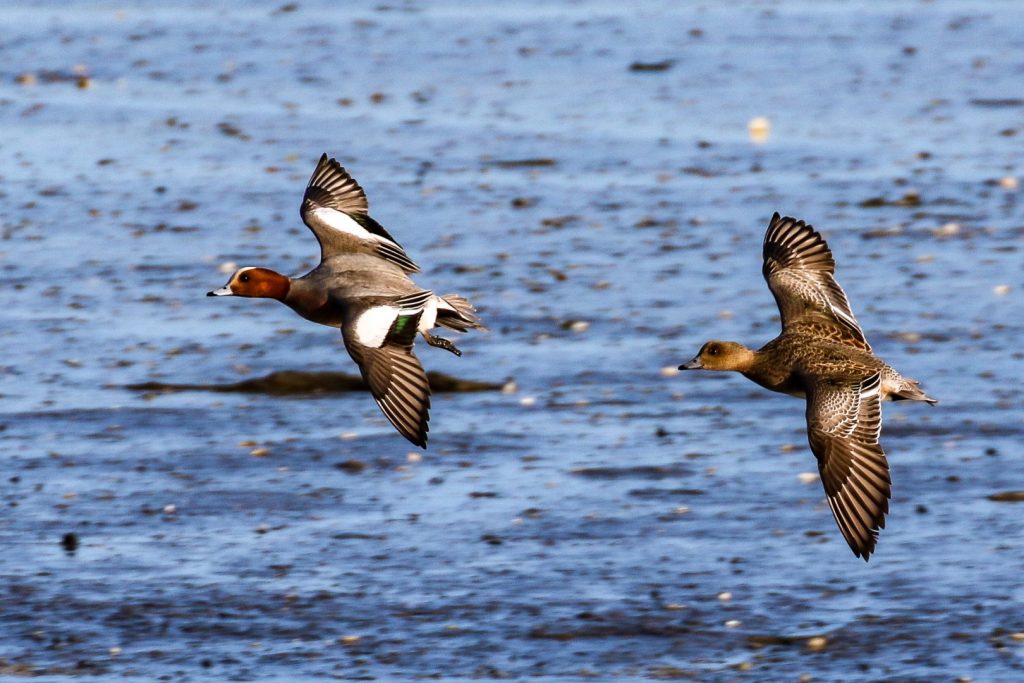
244, 278
713, 351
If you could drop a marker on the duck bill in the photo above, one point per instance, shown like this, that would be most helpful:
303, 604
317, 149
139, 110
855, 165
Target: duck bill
223, 291
694, 364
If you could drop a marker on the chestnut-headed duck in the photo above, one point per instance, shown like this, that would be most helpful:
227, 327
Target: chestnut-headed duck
362, 287
822, 356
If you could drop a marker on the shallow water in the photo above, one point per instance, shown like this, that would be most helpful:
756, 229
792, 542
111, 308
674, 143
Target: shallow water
589, 523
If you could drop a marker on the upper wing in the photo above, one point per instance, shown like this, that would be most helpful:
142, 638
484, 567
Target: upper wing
844, 422
335, 209
380, 338
799, 269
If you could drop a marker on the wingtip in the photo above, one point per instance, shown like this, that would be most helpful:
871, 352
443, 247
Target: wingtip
418, 440
416, 435
864, 552
797, 222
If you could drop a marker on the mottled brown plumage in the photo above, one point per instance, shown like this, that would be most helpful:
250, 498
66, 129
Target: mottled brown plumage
823, 356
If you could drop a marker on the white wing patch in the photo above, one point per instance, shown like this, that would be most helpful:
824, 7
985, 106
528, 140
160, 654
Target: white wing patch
342, 222
429, 316
373, 325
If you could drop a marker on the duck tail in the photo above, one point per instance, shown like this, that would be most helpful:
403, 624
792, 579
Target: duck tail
456, 313
911, 390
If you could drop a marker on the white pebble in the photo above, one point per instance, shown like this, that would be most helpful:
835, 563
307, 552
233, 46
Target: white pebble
527, 401
349, 436
669, 371
580, 326
725, 596
413, 457
807, 477
817, 643
227, 267
170, 509
733, 623
1001, 290
759, 128
1008, 183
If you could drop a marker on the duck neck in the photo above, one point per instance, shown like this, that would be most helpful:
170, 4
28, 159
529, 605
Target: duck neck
745, 361
275, 286
312, 303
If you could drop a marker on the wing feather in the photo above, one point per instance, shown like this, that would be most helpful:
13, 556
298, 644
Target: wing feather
800, 272
335, 209
844, 423
394, 374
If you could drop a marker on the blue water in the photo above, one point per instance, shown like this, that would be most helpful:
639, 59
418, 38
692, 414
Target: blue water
586, 524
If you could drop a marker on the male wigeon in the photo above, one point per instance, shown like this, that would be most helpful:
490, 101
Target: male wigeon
822, 355
362, 286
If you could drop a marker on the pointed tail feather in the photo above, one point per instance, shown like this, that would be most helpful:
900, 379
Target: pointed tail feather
456, 313
911, 391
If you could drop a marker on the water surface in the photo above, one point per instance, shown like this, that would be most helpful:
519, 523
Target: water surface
604, 520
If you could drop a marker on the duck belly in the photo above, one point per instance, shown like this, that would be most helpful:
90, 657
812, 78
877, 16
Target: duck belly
789, 384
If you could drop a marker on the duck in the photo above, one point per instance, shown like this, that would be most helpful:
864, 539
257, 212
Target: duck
823, 357
362, 287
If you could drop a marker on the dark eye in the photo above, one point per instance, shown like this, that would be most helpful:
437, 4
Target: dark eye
244, 278
713, 351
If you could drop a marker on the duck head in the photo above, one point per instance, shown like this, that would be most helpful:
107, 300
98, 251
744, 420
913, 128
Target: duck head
721, 355
261, 283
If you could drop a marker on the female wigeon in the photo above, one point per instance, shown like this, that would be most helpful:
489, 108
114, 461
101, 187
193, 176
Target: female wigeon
362, 286
822, 355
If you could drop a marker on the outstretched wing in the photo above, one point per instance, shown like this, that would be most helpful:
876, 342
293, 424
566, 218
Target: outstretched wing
380, 339
799, 269
844, 422
335, 209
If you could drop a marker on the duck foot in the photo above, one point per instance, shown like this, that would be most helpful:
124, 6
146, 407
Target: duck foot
442, 343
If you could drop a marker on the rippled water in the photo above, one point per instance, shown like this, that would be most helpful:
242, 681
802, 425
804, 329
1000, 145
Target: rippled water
583, 172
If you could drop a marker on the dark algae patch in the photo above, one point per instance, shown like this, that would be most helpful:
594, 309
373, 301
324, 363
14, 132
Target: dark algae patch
297, 383
537, 162
652, 67
637, 472
1008, 497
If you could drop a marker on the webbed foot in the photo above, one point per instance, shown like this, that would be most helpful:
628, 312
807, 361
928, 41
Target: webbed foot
442, 343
